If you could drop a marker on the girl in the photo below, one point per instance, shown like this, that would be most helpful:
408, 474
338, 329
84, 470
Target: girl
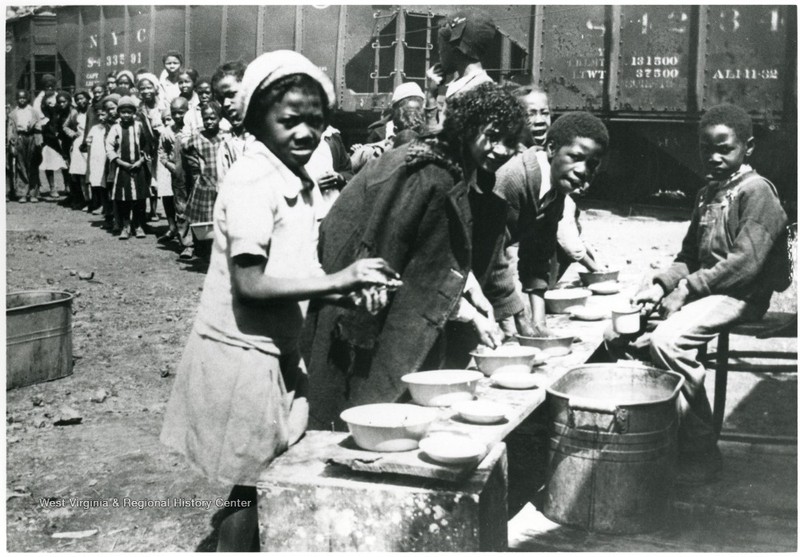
238, 398
174, 193
428, 209
111, 82
96, 163
75, 128
186, 81
168, 80
55, 108
125, 79
150, 114
200, 155
126, 145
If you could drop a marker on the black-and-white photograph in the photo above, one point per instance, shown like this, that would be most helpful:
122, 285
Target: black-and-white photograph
401, 278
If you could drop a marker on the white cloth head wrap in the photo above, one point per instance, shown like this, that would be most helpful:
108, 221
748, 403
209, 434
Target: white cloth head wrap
272, 66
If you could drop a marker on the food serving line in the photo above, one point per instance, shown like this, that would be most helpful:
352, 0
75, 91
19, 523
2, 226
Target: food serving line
328, 494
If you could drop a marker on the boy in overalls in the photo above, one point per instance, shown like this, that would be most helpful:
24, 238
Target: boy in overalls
724, 274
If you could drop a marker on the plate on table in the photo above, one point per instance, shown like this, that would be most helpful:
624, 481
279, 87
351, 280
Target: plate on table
481, 411
452, 448
516, 380
605, 287
588, 313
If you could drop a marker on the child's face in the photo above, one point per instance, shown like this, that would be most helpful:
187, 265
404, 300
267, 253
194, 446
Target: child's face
292, 128
573, 166
167, 119
204, 93
111, 112
22, 99
186, 85
178, 112
102, 114
722, 151
124, 81
111, 84
126, 115
147, 90
210, 120
227, 89
491, 149
97, 92
538, 115
172, 65
81, 101
62, 103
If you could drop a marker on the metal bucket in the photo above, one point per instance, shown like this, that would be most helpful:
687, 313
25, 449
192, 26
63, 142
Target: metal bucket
613, 447
38, 337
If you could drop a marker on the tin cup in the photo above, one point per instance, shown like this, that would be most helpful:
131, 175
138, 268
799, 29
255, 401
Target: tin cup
625, 320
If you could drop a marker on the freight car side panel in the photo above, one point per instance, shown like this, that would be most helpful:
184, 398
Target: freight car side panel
138, 40
746, 48
279, 28
205, 40
654, 59
320, 26
573, 56
169, 33
240, 28
91, 69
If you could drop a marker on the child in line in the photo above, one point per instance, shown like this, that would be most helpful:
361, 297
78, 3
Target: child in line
75, 128
226, 82
200, 158
111, 214
174, 196
126, 145
21, 124
168, 80
238, 399
97, 162
724, 274
149, 112
193, 120
55, 108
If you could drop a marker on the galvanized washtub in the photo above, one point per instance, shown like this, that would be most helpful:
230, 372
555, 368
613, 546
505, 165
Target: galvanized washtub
613, 447
38, 337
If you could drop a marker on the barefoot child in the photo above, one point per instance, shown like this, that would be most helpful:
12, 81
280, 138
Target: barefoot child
238, 399
174, 194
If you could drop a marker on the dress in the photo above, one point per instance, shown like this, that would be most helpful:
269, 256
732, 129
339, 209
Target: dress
200, 158
52, 152
238, 399
77, 159
96, 139
128, 143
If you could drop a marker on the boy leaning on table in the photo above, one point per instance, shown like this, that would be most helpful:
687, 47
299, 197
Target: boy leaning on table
725, 273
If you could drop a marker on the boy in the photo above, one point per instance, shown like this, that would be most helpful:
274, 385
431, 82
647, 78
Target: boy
21, 123
575, 145
724, 274
169, 152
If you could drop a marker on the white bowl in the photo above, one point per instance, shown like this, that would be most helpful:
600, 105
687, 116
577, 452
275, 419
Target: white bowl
203, 230
515, 380
557, 301
489, 361
481, 411
450, 448
442, 387
388, 427
588, 313
605, 287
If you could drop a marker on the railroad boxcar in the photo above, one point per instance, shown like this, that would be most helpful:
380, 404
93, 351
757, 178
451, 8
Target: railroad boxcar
648, 70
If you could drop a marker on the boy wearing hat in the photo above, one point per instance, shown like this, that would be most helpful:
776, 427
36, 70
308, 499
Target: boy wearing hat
407, 102
463, 37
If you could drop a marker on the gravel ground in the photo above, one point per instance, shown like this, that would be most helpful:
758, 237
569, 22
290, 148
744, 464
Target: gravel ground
130, 324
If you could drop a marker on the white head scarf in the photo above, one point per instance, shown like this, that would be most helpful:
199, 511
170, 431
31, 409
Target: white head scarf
272, 66
149, 77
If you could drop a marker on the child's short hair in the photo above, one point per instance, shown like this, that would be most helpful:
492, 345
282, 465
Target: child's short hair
202, 81
192, 73
84, 94
179, 102
173, 54
577, 124
213, 105
263, 99
23, 92
235, 68
731, 116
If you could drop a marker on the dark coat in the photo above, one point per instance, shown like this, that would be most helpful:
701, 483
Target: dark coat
411, 208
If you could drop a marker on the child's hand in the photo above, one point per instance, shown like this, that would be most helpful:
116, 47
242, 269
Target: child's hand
372, 298
651, 294
330, 180
435, 76
368, 272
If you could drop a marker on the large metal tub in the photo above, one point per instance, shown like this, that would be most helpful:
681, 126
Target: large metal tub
38, 337
613, 447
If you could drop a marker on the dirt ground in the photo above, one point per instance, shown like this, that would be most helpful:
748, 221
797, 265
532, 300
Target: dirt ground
130, 323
